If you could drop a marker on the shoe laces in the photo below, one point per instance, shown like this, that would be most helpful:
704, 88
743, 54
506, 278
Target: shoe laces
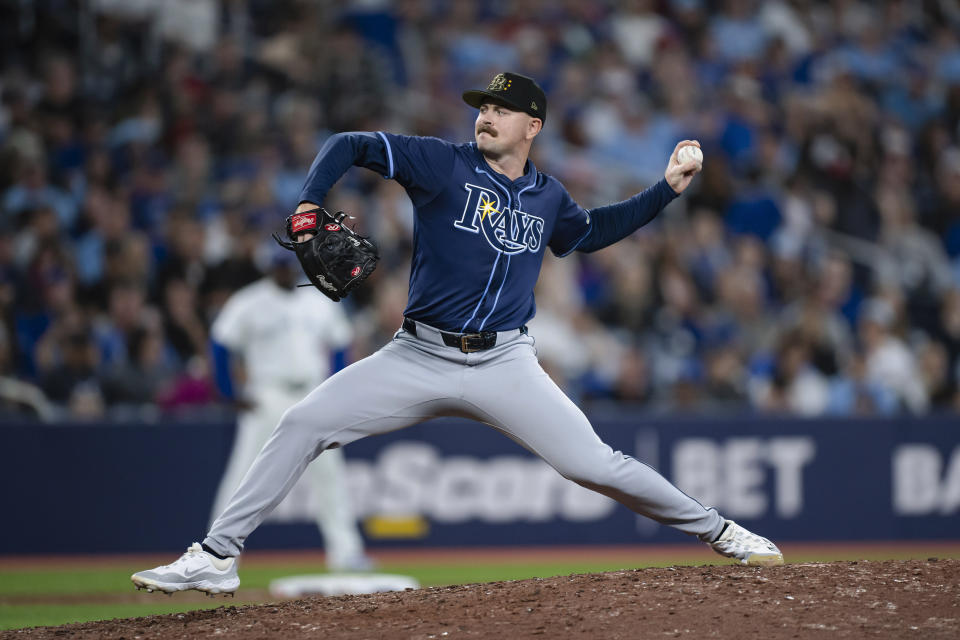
192, 550
746, 538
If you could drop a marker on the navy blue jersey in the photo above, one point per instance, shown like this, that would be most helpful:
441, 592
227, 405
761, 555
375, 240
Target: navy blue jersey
479, 237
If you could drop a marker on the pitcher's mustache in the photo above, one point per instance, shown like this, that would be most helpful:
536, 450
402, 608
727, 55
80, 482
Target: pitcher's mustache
483, 129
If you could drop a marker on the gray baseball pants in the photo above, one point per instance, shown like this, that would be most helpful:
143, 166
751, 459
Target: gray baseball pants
415, 378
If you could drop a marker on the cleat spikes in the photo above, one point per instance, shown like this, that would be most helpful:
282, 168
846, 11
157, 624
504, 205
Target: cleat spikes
218, 575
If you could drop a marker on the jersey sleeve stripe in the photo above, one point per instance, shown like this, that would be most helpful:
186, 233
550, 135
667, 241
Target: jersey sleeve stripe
386, 143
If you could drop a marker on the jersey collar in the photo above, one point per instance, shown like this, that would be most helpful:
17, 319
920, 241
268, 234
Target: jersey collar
528, 178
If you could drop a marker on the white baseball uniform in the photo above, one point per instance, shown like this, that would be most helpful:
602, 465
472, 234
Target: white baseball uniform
286, 339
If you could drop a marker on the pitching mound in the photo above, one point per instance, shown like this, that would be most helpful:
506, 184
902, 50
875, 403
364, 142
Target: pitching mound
892, 599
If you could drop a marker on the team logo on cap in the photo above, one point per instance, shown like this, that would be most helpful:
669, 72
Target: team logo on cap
499, 83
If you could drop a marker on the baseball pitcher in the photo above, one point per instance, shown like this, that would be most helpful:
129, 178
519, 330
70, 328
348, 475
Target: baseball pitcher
484, 216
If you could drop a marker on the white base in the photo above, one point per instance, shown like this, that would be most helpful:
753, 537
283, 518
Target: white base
338, 584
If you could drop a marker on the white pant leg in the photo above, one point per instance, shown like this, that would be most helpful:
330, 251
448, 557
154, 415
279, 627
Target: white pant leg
513, 393
335, 518
334, 515
397, 386
253, 430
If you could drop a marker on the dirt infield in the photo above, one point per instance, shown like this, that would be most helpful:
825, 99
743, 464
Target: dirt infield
890, 599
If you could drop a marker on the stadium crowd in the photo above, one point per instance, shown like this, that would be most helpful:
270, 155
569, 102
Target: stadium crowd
148, 149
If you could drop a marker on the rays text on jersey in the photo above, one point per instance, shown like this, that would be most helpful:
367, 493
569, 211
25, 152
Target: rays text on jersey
507, 230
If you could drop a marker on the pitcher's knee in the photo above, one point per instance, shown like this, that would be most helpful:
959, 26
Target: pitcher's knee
593, 472
306, 423
597, 475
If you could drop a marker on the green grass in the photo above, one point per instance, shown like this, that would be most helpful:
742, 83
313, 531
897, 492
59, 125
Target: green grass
27, 596
18, 586
51, 582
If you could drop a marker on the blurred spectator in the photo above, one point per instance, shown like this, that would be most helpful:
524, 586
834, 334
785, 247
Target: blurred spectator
737, 31
676, 329
633, 385
725, 379
913, 258
18, 396
708, 252
69, 377
139, 380
935, 375
637, 32
127, 312
740, 314
889, 363
753, 210
111, 250
232, 244
851, 393
33, 191
949, 328
191, 388
817, 315
182, 321
796, 386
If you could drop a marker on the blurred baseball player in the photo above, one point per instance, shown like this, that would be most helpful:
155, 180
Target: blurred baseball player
484, 216
288, 339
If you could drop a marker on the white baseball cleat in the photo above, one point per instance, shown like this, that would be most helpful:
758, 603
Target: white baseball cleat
748, 548
196, 569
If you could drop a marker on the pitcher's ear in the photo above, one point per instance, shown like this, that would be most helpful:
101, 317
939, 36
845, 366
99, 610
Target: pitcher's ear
534, 126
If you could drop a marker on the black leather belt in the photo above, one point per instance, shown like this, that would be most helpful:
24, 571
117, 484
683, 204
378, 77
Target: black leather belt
466, 342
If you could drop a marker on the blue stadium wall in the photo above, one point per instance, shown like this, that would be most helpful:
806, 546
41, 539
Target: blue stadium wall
149, 487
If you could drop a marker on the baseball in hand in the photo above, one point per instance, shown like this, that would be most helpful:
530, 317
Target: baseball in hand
688, 153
